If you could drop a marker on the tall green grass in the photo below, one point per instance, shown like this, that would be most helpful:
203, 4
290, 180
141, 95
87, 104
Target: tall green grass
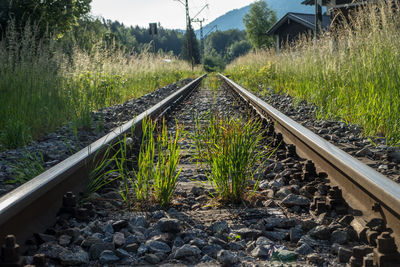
42, 87
166, 172
351, 73
159, 156
151, 175
231, 149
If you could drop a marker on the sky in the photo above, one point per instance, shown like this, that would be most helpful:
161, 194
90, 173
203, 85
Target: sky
170, 13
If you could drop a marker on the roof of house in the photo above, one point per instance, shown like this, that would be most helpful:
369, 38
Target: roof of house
312, 2
325, 2
308, 20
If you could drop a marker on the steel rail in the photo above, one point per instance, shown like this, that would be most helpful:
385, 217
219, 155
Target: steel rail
33, 206
362, 187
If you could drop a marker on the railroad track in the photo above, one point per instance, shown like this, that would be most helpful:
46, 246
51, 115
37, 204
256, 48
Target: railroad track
369, 193
42, 194
373, 199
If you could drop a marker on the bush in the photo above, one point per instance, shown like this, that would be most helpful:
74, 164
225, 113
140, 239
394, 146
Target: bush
213, 63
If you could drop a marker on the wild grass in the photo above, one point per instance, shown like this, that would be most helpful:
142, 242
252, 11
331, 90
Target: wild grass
151, 175
123, 166
42, 87
213, 81
103, 171
351, 73
168, 158
145, 173
31, 165
231, 149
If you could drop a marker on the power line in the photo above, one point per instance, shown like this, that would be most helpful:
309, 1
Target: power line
188, 26
201, 35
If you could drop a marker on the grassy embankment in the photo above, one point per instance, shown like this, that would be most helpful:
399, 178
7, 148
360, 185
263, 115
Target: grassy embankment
357, 80
43, 87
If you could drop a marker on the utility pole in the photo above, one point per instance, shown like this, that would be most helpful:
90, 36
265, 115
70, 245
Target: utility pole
318, 18
153, 31
201, 36
188, 28
188, 34
201, 29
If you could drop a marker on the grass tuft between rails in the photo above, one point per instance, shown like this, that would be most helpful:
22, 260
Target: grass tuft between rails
168, 152
151, 175
232, 149
351, 73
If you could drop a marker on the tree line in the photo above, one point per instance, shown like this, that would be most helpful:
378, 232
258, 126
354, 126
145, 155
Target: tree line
69, 22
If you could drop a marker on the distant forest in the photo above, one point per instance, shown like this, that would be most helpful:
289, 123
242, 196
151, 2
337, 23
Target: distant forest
90, 31
223, 46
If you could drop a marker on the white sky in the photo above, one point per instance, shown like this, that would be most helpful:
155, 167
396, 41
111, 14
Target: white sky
170, 13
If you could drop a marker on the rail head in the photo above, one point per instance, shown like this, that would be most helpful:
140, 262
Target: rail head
379, 187
20, 202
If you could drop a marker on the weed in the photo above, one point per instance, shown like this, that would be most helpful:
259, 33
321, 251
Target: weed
102, 172
83, 121
156, 166
146, 170
123, 165
231, 149
15, 134
30, 166
166, 174
212, 81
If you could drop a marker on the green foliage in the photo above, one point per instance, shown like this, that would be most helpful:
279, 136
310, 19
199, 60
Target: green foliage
257, 22
156, 173
221, 40
168, 157
43, 85
212, 82
30, 166
238, 49
157, 163
146, 171
123, 165
50, 16
351, 74
231, 149
89, 31
102, 170
213, 62
190, 50
15, 134
226, 45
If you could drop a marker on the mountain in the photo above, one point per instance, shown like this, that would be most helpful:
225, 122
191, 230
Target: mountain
234, 18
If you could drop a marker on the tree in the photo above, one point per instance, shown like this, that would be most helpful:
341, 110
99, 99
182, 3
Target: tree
238, 49
221, 40
213, 62
257, 22
48, 15
191, 51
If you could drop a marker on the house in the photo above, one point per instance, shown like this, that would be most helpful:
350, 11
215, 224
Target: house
291, 26
335, 7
